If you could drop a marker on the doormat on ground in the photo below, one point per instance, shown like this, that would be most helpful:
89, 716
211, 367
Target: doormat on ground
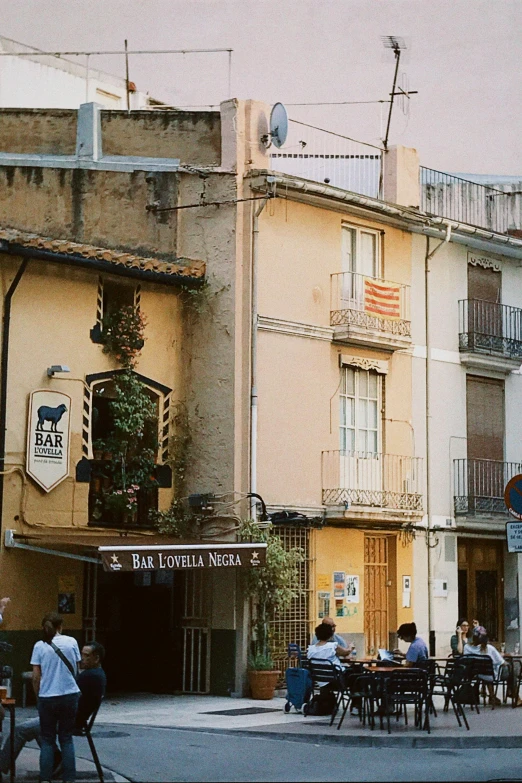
241, 711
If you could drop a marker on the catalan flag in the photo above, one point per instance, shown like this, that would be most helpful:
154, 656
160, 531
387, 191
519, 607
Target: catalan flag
382, 299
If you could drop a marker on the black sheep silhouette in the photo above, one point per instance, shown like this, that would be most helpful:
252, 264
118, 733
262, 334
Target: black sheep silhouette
50, 414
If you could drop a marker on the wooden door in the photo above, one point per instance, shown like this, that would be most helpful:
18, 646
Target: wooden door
376, 630
484, 309
481, 594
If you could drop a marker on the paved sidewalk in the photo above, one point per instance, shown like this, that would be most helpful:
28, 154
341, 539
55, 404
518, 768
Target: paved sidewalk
498, 728
27, 765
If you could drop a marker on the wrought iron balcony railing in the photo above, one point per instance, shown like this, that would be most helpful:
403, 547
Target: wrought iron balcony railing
386, 481
479, 485
490, 328
370, 303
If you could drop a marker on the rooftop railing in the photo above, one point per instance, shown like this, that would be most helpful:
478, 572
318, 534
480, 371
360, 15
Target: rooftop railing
370, 303
384, 481
464, 201
327, 157
479, 485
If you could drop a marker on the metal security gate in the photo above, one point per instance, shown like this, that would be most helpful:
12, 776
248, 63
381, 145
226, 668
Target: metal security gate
375, 593
293, 625
196, 633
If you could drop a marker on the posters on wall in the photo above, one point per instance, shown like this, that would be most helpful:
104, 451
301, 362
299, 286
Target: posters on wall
352, 589
339, 607
323, 582
406, 592
323, 604
66, 595
339, 584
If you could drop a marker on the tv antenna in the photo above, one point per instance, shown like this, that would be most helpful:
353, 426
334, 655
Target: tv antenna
397, 45
278, 127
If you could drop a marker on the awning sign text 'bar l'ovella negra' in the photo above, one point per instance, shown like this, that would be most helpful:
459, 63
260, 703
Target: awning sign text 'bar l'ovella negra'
182, 556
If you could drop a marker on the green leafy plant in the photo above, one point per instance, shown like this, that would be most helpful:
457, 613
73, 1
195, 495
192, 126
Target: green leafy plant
259, 662
273, 587
123, 334
177, 521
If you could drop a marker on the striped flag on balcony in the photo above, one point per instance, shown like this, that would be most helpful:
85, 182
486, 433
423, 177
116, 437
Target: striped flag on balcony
382, 299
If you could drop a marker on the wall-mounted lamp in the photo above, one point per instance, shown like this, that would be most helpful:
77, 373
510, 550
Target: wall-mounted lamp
57, 368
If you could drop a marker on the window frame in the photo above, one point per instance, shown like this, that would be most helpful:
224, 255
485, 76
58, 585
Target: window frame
357, 398
349, 230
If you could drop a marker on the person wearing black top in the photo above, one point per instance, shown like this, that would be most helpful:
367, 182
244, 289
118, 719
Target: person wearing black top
91, 682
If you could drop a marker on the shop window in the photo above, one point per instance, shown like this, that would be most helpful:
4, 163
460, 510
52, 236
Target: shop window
112, 296
112, 473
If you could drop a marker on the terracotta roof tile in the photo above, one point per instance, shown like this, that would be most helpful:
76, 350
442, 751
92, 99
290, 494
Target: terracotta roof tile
189, 268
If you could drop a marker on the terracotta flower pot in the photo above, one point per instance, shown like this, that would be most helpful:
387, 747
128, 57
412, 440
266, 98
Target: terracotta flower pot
263, 683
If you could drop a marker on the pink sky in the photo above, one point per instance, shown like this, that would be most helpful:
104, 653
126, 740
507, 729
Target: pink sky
464, 58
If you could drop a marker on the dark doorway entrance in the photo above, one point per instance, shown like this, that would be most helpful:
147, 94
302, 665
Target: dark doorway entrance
155, 628
480, 579
139, 622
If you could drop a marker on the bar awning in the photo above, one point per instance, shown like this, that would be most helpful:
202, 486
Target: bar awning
141, 553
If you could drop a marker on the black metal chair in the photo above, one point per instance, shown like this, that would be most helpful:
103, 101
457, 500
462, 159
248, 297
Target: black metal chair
482, 672
404, 688
326, 675
462, 688
85, 731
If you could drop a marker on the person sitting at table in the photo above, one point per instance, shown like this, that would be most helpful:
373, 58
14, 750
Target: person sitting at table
326, 647
336, 637
417, 651
479, 646
460, 637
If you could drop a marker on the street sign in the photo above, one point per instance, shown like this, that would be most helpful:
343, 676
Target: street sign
514, 536
513, 496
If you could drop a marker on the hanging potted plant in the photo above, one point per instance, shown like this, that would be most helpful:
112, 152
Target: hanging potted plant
271, 590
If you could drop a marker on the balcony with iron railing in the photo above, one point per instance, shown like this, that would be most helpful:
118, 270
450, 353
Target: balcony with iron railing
479, 485
378, 481
490, 335
370, 311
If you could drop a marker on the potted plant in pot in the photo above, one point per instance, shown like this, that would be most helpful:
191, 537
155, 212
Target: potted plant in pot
271, 590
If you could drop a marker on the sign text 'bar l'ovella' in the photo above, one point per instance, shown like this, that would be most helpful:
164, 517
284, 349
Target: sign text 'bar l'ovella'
183, 557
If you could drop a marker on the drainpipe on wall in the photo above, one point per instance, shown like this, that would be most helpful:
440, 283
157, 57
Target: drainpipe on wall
253, 359
4, 364
429, 256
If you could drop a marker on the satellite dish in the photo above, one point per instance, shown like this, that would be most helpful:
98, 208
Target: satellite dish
278, 125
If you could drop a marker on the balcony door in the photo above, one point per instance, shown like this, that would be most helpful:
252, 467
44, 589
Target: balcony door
360, 259
485, 433
484, 309
360, 432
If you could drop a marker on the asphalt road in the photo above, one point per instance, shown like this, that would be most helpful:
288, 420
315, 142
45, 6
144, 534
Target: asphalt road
152, 754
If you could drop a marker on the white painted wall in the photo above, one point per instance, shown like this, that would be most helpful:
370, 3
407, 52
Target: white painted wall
39, 82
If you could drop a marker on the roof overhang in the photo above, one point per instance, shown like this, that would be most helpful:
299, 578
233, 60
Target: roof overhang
407, 218
57, 251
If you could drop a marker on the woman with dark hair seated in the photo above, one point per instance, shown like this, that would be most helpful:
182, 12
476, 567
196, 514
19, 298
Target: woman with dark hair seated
460, 637
326, 647
417, 651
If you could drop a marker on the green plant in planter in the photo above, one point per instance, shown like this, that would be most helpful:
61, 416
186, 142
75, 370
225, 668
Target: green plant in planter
123, 334
259, 662
271, 588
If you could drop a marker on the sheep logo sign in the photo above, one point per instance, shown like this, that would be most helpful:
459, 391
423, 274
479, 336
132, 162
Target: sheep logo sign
48, 438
